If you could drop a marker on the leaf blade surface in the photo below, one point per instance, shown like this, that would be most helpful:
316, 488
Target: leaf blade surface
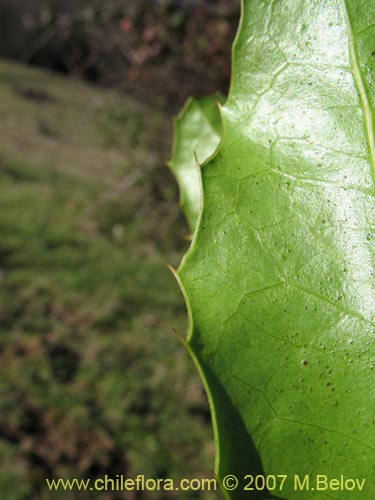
280, 276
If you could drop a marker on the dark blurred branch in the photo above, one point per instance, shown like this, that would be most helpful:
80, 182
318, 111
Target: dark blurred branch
155, 49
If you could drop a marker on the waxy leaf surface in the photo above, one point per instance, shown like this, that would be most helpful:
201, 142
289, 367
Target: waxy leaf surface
280, 279
198, 131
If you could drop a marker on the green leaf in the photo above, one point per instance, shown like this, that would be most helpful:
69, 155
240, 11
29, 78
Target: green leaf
198, 131
279, 279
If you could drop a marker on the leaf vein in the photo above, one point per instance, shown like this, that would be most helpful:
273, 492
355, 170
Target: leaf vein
369, 123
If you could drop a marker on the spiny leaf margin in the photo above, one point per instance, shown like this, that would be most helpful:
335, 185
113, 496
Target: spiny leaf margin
197, 134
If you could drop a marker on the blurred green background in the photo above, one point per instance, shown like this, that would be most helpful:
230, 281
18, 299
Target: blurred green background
93, 379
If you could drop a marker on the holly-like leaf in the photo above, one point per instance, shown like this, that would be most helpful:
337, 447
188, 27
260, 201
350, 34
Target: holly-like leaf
280, 279
198, 130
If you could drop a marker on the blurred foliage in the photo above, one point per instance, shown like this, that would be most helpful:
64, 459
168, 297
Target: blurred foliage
157, 50
93, 379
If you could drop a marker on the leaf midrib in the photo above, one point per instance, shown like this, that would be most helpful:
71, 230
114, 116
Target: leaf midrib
368, 114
